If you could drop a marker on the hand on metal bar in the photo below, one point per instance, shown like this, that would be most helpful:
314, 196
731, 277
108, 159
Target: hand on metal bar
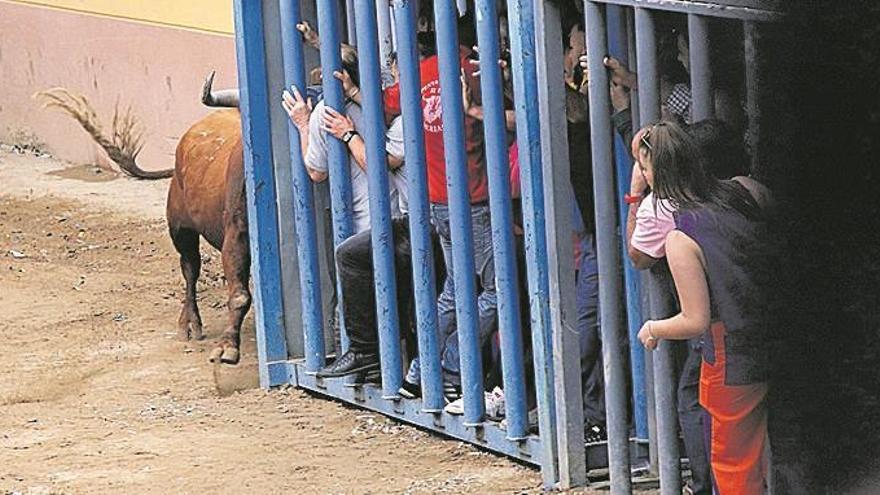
620, 98
310, 36
297, 108
337, 124
646, 336
620, 74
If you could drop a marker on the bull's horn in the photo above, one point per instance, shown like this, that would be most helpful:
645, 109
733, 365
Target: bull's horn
221, 98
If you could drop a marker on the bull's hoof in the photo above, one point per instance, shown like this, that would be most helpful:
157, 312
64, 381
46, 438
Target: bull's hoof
189, 327
230, 356
215, 355
226, 354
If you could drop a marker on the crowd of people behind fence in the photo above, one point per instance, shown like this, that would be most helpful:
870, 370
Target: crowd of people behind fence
693, 211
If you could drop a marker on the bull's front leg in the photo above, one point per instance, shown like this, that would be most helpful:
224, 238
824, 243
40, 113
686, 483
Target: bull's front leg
236, 267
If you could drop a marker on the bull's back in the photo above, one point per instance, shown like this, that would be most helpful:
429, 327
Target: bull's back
198, 191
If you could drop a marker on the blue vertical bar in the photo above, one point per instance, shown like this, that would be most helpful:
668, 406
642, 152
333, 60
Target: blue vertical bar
608, 254
424, 283
752, 53
521, 19
617, 47
506, 278
386, 41
703, 100
260, 189
380, 208
646, 48
303, 197
350, 24
446, 21
340, 175
659, 290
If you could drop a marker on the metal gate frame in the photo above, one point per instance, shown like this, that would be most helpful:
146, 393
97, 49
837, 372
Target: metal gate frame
289, 265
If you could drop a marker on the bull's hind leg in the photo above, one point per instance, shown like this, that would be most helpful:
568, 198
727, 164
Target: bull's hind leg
187, 244
236, 267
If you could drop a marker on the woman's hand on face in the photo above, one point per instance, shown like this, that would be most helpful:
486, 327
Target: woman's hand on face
296, 107
336, 123
645, 337
637, 185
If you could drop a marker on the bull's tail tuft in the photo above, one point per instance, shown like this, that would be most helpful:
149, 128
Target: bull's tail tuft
126, 140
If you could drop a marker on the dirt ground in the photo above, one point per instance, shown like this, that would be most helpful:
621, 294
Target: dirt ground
97, 396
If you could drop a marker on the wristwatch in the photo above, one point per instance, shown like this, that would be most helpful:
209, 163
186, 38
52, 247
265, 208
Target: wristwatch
349, 135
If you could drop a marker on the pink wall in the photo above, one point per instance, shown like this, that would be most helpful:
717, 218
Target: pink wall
158, 70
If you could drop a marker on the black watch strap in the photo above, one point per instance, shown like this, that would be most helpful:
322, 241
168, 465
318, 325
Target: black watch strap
349, 135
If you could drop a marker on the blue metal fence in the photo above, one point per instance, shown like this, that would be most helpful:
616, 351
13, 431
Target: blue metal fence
271, 55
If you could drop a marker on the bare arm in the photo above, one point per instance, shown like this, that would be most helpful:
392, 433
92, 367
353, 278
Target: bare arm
638, 186
338, 125
687, 265
640, 260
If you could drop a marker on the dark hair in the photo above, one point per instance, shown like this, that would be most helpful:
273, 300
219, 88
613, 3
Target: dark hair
350, 64
680, 176
724, 155
467, 29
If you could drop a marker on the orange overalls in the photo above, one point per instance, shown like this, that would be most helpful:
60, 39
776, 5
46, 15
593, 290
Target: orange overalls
736, 425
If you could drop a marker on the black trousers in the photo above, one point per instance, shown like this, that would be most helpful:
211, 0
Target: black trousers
691, 416
354, 262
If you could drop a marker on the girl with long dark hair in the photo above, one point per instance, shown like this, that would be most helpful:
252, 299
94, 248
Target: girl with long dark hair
715, 256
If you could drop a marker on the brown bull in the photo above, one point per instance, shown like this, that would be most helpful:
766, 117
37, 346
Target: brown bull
207, 199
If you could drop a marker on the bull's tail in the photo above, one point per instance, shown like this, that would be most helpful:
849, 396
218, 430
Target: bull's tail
126, 140
228, 98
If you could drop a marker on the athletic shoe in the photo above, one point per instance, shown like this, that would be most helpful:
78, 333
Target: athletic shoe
410, 390
451, 392
595, 434
348, 364
494, 403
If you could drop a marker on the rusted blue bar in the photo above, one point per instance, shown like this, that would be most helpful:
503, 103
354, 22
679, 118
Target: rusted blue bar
382, 238
498, 168
608, 251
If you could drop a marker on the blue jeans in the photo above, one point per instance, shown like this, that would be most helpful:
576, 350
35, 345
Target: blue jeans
587, 297
484, 269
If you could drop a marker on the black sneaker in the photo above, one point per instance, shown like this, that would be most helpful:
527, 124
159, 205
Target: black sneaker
410, 390
451, 392
595, 434
349, 363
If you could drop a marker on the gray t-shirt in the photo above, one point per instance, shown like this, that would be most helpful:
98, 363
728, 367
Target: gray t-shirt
397, 178
316, 158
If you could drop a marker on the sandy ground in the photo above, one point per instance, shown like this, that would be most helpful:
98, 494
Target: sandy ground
96, 395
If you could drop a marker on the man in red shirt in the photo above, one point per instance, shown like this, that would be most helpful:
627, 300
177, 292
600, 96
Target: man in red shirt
478, 185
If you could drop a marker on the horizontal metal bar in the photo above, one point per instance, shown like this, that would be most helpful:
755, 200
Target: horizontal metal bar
703, 8
279, 373
488, 435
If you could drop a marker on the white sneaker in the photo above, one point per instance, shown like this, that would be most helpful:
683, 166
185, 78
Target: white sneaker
494, 403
